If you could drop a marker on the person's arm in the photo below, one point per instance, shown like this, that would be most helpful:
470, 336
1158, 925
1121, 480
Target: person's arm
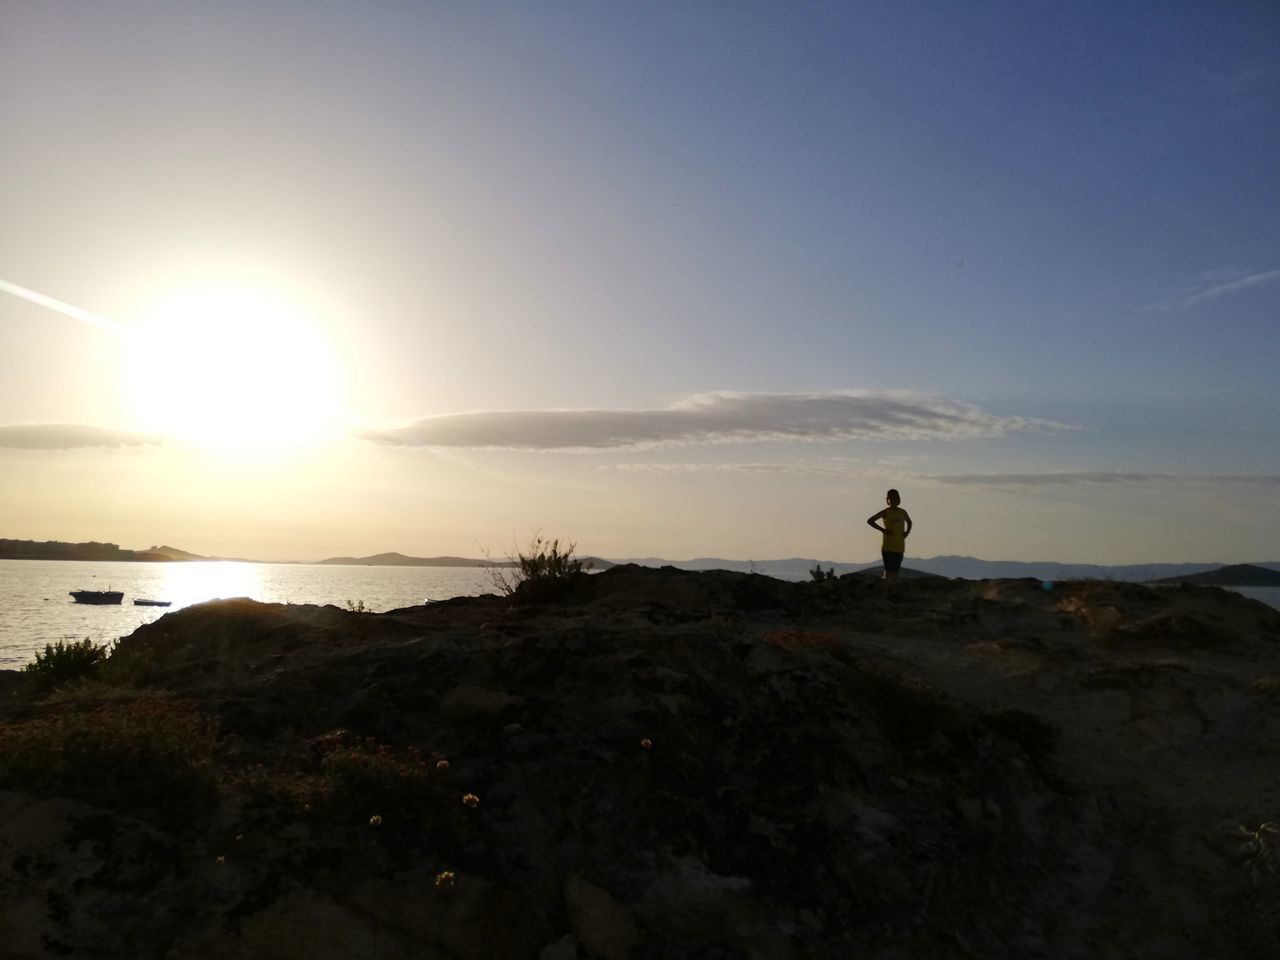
871, 521
906, 533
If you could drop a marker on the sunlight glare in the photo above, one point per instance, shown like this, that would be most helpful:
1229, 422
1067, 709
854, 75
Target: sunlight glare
237, 369
199, 581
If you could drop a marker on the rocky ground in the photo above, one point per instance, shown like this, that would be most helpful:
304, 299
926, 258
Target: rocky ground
658, 764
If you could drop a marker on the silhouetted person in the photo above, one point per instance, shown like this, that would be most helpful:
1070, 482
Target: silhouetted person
896, 529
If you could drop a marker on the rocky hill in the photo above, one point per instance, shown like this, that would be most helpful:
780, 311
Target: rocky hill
1233, 575
660, 765
62, 550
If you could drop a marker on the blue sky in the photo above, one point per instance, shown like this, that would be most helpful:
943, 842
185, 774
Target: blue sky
703, 278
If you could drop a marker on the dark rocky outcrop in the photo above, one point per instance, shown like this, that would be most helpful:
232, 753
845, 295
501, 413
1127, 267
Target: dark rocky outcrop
687, 766
1232, 575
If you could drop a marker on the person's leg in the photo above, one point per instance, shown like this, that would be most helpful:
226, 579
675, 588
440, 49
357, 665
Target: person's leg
892, 564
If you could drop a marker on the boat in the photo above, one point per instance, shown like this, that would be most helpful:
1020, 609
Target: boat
152, 603
97, 596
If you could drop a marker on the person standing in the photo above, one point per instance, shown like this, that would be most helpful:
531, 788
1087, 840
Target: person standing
896, 529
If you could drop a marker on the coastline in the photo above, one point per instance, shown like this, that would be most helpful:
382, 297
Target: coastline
688, 758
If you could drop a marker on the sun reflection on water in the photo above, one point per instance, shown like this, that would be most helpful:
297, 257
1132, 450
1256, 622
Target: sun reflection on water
198, 581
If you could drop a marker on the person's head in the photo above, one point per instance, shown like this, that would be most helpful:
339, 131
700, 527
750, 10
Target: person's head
892, 498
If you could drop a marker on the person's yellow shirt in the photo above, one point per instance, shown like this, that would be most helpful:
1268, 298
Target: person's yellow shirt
894, 521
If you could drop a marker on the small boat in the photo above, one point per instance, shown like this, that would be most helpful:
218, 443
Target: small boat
97, 596
152, 603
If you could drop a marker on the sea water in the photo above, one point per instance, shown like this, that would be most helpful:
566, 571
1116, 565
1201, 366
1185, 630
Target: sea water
36, 607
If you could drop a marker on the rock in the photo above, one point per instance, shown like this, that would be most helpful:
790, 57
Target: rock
937, 777
304, 925
600, 923
566, 948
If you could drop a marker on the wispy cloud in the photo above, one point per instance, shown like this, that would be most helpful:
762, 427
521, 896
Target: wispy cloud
1085, 477
851, 471
1212, 286
799, 468
69, 436
720, 417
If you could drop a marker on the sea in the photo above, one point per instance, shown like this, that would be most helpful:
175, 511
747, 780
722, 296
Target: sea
36, 606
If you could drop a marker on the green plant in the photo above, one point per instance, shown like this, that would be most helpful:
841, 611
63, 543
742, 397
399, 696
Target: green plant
1260, 852
541, 572
358, 606
145, 756
363, 777
352, 780
61, 662
818, 574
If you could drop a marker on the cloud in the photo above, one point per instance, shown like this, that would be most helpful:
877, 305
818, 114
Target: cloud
720, 417
832, 468
850, 471
69, 436
1082, 477
1214, 284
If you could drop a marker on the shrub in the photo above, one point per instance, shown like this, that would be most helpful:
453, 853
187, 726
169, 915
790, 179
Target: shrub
61, 662
145, 756
363, 777
354, 779
818, 574
541, 573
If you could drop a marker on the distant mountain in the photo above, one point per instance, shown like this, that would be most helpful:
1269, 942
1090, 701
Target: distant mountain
786, 568
400, 560
173, 553
1233, 575
972, 568
964, 568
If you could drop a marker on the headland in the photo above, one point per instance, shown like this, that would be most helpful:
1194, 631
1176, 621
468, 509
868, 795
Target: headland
651, 764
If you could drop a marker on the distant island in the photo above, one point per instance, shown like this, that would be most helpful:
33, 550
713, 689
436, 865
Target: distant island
1261, 574
98, 552
58, 550
400, 560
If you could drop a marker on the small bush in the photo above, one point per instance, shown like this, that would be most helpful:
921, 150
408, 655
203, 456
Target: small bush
817, 574
541, 573
363, 777
351, 779
61, 662
145, 756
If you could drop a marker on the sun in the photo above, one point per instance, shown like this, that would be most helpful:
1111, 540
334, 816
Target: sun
238, 369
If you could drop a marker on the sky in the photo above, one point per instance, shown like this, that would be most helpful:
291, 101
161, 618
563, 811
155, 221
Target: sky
305, 279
